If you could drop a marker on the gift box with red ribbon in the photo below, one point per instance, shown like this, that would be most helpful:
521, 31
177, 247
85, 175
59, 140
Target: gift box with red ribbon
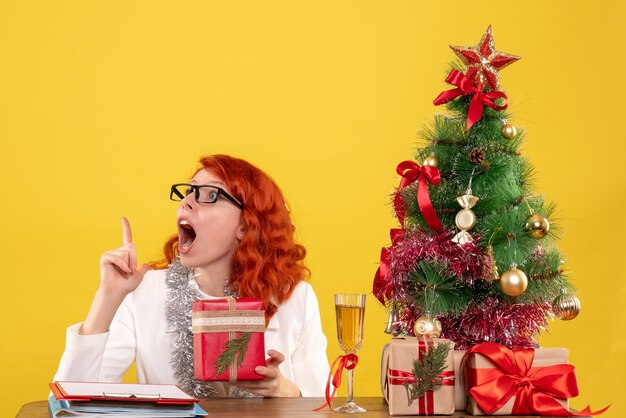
228, 338
500, 381
399, 383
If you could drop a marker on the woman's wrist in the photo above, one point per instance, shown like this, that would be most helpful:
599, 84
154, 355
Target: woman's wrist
101, 312
289, 389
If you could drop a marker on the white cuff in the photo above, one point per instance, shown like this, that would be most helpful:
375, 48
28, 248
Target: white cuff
82, 357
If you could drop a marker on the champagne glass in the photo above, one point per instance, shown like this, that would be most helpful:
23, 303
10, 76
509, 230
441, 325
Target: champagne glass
350, 310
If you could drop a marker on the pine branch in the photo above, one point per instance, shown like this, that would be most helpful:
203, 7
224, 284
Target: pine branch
234, 350
435, 290
427, 372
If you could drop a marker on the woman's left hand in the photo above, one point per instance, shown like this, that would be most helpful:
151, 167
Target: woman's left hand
274, 384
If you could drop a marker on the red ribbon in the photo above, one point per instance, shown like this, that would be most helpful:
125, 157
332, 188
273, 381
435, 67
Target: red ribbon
348, 362
380, 286
411, 172
534, 388
399, 377
479, 99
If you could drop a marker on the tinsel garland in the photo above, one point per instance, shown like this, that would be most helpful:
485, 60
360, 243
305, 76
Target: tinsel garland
466, 261
489, 319
182, 292
492, 320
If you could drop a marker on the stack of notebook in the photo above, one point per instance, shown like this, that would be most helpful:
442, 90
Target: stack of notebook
103, 400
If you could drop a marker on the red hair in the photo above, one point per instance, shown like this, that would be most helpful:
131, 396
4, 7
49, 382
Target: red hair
267, 263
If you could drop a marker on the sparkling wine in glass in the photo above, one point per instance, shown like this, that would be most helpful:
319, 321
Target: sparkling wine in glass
350, 310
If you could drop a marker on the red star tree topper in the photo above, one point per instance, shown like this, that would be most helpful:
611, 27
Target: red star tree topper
483, 61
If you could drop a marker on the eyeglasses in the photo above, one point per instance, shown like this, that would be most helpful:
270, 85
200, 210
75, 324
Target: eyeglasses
203, 194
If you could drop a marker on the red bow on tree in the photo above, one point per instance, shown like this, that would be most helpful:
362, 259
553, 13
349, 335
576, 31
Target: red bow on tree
534, 388
410, 173
479, 98
380, 287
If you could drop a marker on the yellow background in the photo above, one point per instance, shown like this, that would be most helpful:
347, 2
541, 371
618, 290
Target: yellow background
104, 104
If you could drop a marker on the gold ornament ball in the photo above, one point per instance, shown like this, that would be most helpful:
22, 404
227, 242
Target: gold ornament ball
431, 160
538, 225
513, 282
508, 131
566, 307
427, 326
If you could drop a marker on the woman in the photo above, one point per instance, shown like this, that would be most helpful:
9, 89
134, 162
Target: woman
235, 237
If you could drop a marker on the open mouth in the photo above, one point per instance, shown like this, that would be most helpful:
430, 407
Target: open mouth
186, 235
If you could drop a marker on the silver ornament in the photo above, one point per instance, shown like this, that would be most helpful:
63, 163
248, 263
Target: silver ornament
393, 326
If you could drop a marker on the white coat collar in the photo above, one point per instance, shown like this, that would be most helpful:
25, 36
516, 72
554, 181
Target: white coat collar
274, 323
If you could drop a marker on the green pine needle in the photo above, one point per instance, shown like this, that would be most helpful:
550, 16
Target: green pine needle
427, 371
435, 289
234, 350
546, 278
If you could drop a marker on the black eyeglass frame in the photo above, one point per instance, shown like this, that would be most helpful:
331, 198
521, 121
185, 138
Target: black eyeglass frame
176, 196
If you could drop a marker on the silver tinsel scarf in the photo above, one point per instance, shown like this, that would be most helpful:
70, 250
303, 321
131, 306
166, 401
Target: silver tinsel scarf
181, 294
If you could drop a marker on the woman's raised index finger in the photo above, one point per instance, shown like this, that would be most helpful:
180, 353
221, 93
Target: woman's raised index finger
127, 235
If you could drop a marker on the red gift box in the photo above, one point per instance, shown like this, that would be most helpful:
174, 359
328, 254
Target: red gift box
501, 381
228, 334
543, 357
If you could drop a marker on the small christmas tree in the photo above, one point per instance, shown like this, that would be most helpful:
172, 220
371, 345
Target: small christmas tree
474, 259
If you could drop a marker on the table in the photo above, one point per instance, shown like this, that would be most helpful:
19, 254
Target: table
260, 407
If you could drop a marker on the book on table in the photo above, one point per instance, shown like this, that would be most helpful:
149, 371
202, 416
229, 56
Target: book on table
91, 399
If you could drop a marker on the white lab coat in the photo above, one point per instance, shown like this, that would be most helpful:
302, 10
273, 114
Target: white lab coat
139, 332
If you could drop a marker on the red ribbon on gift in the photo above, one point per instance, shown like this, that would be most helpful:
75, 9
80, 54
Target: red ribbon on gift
426, 403
380, 285
411, 172
534, 388
348, 362
399, 377
479, 99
